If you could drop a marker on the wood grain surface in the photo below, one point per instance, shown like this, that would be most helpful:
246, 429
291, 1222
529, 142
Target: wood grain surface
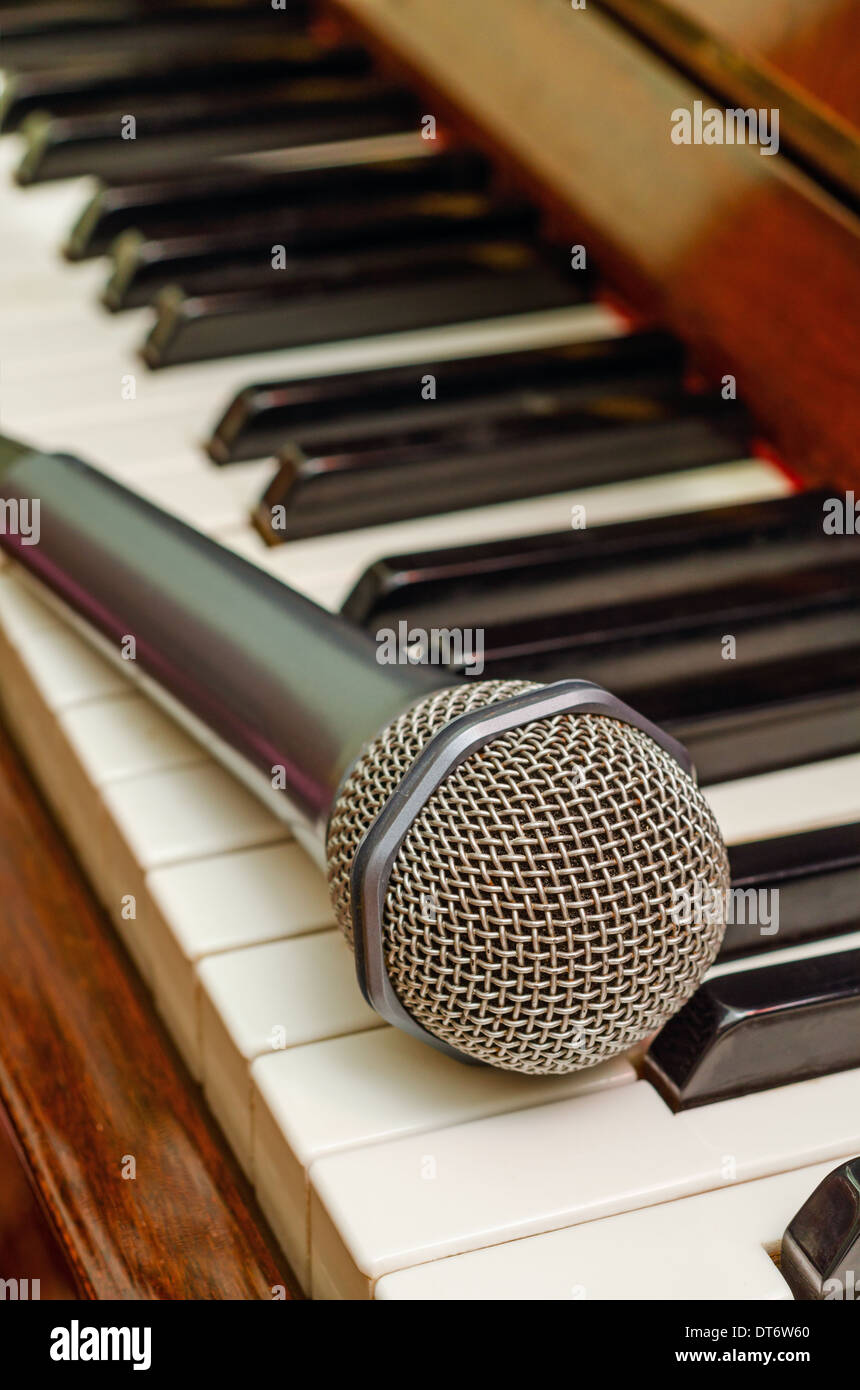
89, 1081
799, 56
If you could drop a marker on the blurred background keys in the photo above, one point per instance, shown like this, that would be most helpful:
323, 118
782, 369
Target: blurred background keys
209, 259
379, 290
180, 129
220, 194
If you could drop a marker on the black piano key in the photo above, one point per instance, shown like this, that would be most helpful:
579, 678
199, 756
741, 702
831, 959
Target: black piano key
817, 876
680, 680
231, 258
97, 88
759, 1028
40, 36
676, 672
427, 286
183, 131
262, 418
216, 197
820, 1255
544, 447
642, 607
787, 730
575, 570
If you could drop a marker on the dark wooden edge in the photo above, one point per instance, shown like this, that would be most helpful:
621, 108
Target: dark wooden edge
88, 1077
819, 138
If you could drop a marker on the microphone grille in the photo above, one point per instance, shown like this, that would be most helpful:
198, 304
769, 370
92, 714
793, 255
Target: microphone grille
531, 918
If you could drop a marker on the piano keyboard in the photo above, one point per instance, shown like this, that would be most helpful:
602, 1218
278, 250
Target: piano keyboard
385, 1169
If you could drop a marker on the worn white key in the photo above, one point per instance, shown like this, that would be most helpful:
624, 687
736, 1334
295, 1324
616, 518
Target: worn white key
126, 736
264, 999
212, 499
35, 218
718, 1245
358, 1090
108, 354
187, 813
67, 670
196, 909
394, 1205
791, 800
21, 611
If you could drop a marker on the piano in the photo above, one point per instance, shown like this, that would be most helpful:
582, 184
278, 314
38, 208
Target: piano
421, 308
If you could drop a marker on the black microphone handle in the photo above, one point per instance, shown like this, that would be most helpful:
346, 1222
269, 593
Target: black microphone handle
279, 680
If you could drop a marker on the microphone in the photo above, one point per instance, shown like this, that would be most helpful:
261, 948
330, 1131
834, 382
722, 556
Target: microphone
510, 861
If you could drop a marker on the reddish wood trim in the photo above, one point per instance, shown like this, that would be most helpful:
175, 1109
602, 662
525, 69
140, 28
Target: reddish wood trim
701, 38
810, 44
87, 1075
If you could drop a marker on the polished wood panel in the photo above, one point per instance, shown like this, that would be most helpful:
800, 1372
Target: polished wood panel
743, 255
810, 43
87, 1078
29, 1251
797, 58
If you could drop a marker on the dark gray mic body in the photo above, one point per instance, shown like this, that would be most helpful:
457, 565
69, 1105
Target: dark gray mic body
511, 862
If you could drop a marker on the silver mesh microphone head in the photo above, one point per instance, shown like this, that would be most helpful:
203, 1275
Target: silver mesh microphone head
531, 919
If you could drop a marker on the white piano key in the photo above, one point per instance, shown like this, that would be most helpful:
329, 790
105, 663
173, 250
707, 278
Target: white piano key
786, 1127
187, 813
788, 801
440, 1193
212, 500
35, 218
196, 909
21, 611
60, 347
66, 670
718, 1245
126, 736
326, 567
94, 373
402, 1203
242, 899
40, 287
364, 1088
266, 998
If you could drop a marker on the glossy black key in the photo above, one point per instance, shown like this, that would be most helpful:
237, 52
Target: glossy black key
386, 291
820, 1256
784, 731
96, 88
816, 874
183, 131
643, 607
758, 1028
241, 255
262, 418
797, 635
40, 36
218, 196
732, 715
544, 447
571, 570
